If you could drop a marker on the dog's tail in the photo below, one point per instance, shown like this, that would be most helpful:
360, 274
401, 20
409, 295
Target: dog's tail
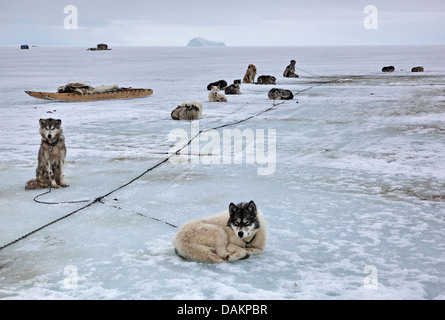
32, 185
196, 252
177, 253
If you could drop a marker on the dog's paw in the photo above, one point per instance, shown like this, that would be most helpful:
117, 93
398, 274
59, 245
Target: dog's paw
253, 251
240, 255
64, 185
245, 257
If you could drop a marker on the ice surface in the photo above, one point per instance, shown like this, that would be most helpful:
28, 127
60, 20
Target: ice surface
358, 185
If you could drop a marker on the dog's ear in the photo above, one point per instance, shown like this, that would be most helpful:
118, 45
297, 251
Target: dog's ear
251, 207
57, 123
42, 122
232, 209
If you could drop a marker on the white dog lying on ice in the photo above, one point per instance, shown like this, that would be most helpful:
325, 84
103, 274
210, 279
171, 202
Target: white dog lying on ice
229, 236
215, 96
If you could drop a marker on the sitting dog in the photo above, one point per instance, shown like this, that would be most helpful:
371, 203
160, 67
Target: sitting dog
229, 236
266, 80
289, 72
51, 157
388, 69
234, 88
215, 96
250, 75
277, 94
191, 110
222, 84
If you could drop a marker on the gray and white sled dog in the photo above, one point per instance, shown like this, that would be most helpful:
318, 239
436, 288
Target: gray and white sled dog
278, 94
226, 237
191, 110
234, 88
51, 157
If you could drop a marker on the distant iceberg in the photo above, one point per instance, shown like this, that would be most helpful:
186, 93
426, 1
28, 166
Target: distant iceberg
200, 42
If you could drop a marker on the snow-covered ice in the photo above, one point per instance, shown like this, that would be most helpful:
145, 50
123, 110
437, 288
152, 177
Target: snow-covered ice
355, 206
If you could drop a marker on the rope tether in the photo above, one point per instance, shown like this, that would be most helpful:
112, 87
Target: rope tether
99, 199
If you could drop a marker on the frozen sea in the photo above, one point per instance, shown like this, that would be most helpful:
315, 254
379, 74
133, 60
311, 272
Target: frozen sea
355, 202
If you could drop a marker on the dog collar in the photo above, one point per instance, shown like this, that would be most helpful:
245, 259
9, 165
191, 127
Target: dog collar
52, 144
248, 242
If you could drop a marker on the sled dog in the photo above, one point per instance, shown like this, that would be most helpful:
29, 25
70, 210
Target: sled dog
234, 88
222, 84
278, 94
191, 110
51, 156
249, 77
215, 96
226, 237
417, 69
289, 72
266, 79
388, 69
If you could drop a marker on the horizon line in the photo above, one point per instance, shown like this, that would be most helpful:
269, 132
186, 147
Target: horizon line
228, 46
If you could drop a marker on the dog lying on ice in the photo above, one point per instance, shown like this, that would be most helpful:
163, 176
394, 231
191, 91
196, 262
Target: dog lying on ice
51, 156
265, 79
215, 96
417, 69
191, 110
388, 69
234, 88
250, 75
222, 84
278, 94
226, 237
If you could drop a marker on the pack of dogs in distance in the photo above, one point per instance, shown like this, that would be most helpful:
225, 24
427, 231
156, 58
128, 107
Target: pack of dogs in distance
232, 235
192, 110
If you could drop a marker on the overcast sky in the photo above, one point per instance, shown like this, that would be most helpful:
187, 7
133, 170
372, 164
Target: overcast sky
235, 22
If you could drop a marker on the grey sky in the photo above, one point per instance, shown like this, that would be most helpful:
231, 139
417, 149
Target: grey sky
237, 23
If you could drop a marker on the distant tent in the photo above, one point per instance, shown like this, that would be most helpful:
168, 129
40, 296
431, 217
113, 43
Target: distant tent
24, 46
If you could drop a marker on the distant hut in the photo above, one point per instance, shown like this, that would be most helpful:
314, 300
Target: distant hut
24, 46
102, 46
99, 47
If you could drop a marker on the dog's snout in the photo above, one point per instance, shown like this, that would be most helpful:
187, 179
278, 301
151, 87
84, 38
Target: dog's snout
240, 234
49, 136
